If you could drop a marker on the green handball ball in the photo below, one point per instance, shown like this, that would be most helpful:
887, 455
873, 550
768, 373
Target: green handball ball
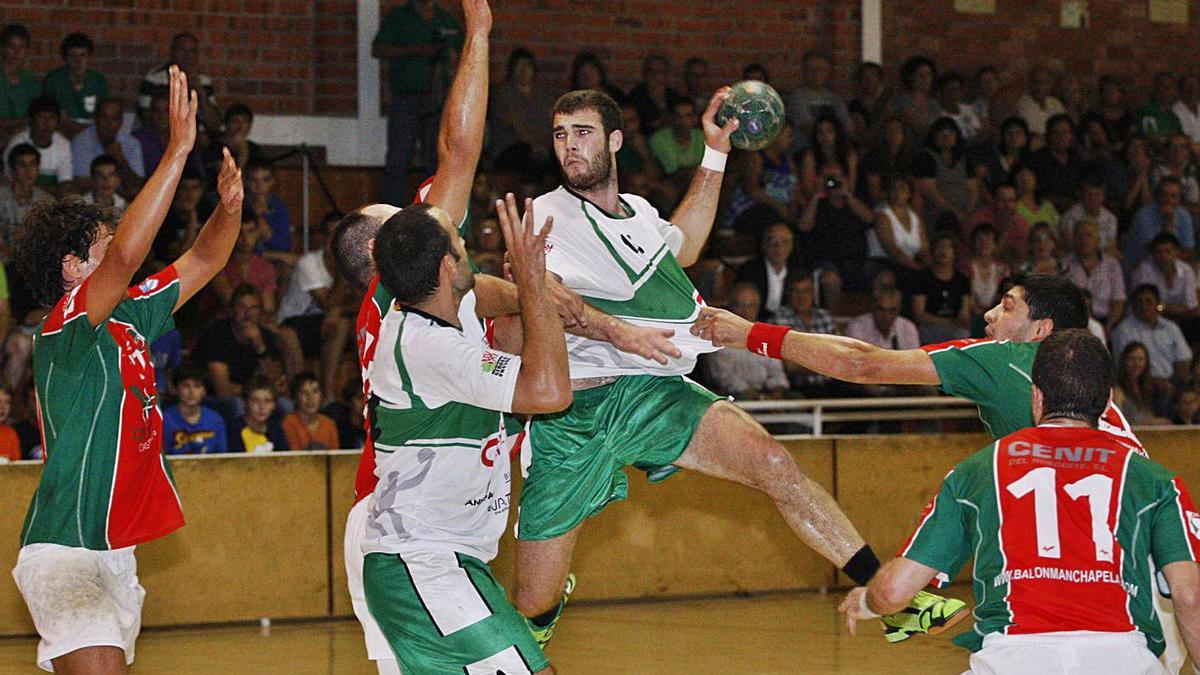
759, 111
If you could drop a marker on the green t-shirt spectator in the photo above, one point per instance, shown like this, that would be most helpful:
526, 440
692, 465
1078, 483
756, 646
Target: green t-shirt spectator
16, 97
403, 27
1158, 124
79, 105
671, 156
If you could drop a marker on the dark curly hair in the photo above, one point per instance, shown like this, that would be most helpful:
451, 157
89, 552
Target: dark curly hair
53, 229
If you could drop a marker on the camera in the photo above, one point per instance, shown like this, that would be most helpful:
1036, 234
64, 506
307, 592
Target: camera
832, 183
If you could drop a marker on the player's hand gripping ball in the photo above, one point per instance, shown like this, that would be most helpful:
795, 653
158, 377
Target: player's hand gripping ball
759, 111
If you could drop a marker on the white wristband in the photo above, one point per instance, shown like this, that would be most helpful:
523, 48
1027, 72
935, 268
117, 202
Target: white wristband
714, 160
865, 611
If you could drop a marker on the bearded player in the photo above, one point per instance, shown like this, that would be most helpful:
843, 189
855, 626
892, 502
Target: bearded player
1060, 519
625, 260
105, 487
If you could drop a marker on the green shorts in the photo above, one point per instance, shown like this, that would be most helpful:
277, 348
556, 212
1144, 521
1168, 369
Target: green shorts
578, 455
444, 612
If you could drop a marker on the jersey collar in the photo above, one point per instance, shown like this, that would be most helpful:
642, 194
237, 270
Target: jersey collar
596, 206
441, 322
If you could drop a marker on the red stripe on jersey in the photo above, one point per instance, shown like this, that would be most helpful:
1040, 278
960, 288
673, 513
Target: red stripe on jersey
370, 318
1189, 517
954, 344
1059, 492
1113, 422
143, 504
70, 306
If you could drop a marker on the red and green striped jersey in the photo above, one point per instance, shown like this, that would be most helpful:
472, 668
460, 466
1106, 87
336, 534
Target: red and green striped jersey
1061, 522
996, 376
105, 484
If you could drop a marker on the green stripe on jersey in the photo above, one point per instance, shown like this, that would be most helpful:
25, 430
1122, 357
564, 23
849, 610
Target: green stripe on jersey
665, 295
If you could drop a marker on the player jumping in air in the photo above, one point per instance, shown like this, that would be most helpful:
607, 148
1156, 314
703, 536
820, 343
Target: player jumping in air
105, 487
1060, 519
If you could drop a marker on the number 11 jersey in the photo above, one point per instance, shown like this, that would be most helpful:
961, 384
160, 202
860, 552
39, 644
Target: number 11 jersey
1061, 522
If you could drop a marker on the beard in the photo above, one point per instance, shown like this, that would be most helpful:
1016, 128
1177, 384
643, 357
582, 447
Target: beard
598, 172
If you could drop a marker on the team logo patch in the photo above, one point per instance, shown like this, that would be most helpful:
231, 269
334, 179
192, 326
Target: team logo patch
494, 363
1193, 520
148, 285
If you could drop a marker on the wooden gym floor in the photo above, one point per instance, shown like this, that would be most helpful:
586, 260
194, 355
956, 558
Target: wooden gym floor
785, 633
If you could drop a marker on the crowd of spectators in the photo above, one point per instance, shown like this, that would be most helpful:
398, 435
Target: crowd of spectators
894, 216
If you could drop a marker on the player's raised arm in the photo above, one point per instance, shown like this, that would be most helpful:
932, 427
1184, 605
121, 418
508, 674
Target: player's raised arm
544, 383
210, 252
107, 285
460, 136
836, 356
695, 214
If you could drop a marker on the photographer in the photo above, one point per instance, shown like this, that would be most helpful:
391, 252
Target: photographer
835, 224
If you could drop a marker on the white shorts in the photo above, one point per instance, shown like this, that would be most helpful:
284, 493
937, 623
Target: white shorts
356, 526
1081, 652
80, 598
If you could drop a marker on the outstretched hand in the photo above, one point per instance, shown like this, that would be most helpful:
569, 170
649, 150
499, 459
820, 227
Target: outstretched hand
722, 327
852, 608
715, 135
229, 185
181, 111
526, 247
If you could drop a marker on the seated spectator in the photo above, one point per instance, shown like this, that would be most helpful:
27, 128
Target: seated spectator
679, 147
1032, 206
1134, 391
814, 98
1166, 214
518, 111
867, 108
950, 192
107, 135
234, 349
1187, 108
587, 72
10, 443
19, 192
1177, 162
941, 298
182, 224
239, 119
1175, 281
18, 85
185, 53
167, 354
55, 168
318, 307
891, 154
77, 88
914, 102
152, 136
1186, 409
741, 373
347, 413
835, 224
1170, 355
1098, 273
773, 270
1131, 190
653, 95
269, 208
801, 314
307, 428
697, 86
245, 266
1090, 208
1036, 106
1043, 255
996, 161
1070, 93
1156, 121
636, 165
765, 186
1117, 118
898, 238
190, 428
829, 151
106, 183
756, 72
1058, 166
985, 269
950, 90
883, 326
258, 430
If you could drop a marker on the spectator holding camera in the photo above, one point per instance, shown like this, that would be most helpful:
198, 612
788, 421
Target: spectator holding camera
836, 223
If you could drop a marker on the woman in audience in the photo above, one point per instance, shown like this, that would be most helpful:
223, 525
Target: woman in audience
986, 271
997, 160
941, 299
828, 148
1090, 268
587, 72
1116, 115
519, 110
1134, 393
914, 102
891, 154
898, 239
1032, 206
950, 193
765, 186
1043, 252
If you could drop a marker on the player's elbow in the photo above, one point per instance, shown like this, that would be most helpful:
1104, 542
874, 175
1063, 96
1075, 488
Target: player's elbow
1187, 600
887, 596
543, 396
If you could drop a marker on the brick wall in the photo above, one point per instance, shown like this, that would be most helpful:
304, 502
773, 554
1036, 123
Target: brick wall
298, 57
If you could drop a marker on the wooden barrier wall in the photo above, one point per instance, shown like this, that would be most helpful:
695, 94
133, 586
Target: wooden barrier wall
264, 533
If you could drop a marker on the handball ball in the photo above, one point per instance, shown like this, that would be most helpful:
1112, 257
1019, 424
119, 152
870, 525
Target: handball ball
759, 111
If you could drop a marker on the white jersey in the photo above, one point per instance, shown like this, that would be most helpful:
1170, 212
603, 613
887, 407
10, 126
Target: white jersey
441, 448
626, 267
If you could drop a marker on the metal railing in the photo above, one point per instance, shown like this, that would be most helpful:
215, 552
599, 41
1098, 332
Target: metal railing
817, 412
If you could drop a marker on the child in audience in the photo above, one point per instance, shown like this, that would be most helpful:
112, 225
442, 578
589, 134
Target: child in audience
307, 428
258, 431
188, 427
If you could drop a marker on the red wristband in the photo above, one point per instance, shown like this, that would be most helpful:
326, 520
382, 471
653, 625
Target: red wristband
766, 339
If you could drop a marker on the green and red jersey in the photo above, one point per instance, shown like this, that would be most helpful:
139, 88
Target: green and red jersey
1061, 522
105, 484
996, 376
